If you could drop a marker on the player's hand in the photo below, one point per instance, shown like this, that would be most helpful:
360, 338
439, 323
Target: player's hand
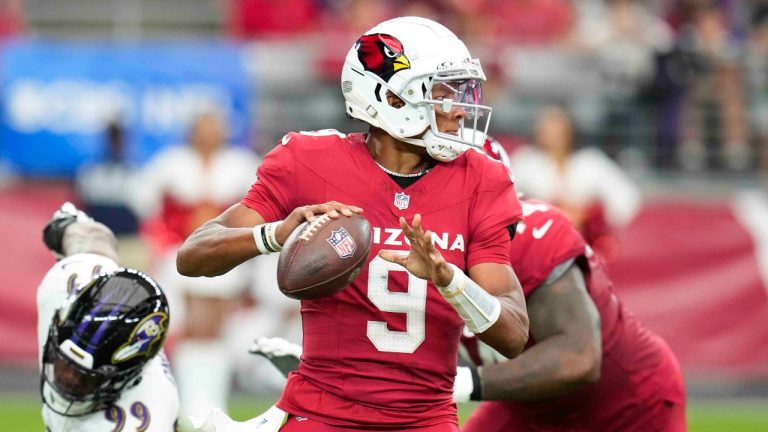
423, 260
284, 355
308, 213
53, 233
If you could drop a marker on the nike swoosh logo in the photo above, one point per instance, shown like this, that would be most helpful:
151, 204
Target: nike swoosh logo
539, 232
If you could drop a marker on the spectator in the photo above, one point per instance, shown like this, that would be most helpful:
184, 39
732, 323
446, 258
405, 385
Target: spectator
590, 188
531, 21
757, 81
713, 107
625, 37
174, 193
103, 186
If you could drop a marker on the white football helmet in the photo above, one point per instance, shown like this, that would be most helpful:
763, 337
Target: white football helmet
409, 56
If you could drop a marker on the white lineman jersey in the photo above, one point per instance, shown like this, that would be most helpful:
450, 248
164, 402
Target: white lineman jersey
150, 406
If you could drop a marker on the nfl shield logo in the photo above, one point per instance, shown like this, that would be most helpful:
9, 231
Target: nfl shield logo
342, 243
402, 200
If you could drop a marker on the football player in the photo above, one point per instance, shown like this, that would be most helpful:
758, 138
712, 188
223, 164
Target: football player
382, 353
590, 365
100, 331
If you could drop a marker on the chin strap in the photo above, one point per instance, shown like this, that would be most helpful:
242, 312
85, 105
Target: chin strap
440, 149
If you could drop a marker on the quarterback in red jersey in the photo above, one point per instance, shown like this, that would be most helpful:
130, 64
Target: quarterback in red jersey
381, 354
589, 364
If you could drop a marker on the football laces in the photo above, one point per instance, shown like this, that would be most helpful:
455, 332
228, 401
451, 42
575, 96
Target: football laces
313, 227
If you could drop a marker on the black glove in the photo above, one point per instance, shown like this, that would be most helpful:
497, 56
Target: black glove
53, 233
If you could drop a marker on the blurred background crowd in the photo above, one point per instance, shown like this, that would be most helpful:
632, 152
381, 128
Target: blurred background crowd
675, 84
645, 120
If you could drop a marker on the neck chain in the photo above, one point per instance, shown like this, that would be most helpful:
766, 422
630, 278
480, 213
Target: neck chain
396, 174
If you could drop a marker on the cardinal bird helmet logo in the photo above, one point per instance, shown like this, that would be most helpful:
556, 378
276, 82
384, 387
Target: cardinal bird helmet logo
381, 54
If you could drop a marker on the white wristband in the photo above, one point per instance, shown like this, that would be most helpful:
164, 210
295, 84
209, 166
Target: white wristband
264, 236
475, 306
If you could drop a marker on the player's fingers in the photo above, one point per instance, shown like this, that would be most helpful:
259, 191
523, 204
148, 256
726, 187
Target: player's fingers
407, 230
346, 210
327, 209
424, 238
415, 233
430, 248
397, 257
330, 208
308, 213
416, 224
319, 209
427, 241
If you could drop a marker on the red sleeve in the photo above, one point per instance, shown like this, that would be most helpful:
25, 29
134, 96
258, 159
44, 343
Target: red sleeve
271, 194
495, 207
544, 239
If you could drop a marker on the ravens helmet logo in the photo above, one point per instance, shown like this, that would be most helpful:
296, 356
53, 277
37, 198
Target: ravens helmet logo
381, 54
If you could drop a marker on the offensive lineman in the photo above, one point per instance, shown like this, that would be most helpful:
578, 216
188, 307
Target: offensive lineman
590, 365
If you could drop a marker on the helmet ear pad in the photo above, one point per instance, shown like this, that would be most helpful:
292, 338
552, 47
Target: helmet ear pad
369, 98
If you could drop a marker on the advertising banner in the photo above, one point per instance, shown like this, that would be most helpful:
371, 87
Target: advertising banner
56, 98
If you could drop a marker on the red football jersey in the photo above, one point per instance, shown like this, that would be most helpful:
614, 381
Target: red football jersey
639, 373
383, 351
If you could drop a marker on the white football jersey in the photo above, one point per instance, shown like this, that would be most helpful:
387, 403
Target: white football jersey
150, 406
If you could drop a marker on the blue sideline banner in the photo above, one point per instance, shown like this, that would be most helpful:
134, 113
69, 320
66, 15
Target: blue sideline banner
56, 98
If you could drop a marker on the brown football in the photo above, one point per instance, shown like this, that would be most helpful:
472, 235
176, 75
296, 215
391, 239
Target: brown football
320, 258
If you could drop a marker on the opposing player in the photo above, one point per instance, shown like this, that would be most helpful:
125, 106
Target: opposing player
382, 353
100, 330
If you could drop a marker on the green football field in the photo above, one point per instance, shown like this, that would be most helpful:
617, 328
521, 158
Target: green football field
22, 414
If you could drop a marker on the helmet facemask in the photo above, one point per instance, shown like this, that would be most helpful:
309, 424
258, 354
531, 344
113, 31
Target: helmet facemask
70, 388
451, 91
